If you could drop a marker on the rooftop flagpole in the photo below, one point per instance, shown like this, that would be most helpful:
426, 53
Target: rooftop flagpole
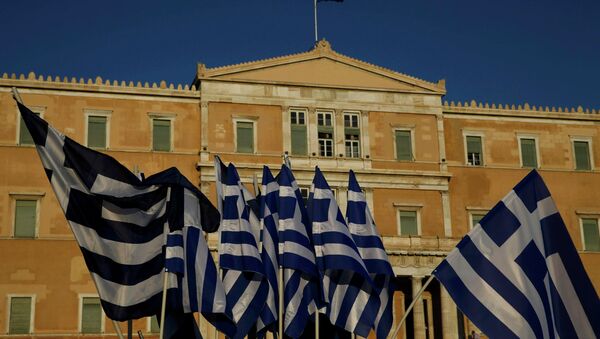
316, 34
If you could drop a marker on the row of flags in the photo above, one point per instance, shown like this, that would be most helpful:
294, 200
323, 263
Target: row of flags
516, 274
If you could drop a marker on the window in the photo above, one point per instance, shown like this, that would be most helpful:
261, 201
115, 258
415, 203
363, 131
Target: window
96, 131
298, 132
476, 218
591, 234
91, 315
474, 150
408, 222
244, 136
325, 133
20, 315
528, 152
161, 135
153, 324
581, 149
403, 145
352, 135
25, 218
25, 137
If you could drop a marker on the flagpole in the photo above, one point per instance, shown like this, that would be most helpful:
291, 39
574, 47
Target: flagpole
164, 305
317, 321
316, 35
280, 303
116, 326
412, 304
17, 97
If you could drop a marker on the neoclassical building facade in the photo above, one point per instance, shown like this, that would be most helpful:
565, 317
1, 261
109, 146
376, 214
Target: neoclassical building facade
430, 169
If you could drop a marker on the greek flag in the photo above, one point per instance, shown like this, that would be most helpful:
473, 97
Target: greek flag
270, 241
517, 274
350, 296
369, 244
243, 272
121, 224
300, 275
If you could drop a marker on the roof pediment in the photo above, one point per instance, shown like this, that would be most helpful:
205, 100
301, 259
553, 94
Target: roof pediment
321, 67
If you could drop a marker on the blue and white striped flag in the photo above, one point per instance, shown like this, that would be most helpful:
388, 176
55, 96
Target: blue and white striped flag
369, 244
269, 219
243, 272
352, 303
121, 224
300, 275
517, 274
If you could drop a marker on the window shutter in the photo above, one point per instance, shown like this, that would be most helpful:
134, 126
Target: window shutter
582, 155
154, 328
25, 137
403, 145
473, 144
91, 315
161, 138
245, 137
408, 223
25, 217
476, 218
591, 237
97, 132
299, 146
528, 153
20, 315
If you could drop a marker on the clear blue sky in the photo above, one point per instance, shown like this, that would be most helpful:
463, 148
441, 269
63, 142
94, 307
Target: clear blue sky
511, 51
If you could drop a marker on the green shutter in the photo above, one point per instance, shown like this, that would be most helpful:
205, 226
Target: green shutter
25, 137
582, 155
96, 132
25, 217
154, 328
408, 223
299, 144
591, 238
403, 146
20, 315
245, 137
476, 218
528, 153
474, 144
91, 315
161, 135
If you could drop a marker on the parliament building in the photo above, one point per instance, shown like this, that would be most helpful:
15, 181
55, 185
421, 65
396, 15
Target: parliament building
430, 169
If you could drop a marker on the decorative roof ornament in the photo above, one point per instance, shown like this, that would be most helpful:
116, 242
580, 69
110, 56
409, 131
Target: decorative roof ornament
323, 46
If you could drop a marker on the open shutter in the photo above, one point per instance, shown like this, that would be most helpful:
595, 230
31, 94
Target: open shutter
20, 315
25, 217
97, 132
403, 145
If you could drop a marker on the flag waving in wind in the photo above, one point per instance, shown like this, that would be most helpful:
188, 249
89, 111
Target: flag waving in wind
517, 274
369, 244
121, 224
243, 272
352, 302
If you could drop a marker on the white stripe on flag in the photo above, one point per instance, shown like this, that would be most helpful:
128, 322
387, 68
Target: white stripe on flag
134, 216
116, 188
129, 295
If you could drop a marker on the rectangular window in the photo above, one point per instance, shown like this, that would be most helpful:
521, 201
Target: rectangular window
352, 135
476, 218
161, 135
25, 218
96, 136
582, 155
474, 150
408, 222
528, 153
403, 145
325, 133
20, 315
154, 328
91, 315
245, 136
298, 132
591, 234
25, 137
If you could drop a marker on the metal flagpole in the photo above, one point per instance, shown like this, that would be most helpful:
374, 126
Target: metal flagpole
317, 324
129, 329
280, 302
116, 326
412, 304
164, 305
316, 35
16, 95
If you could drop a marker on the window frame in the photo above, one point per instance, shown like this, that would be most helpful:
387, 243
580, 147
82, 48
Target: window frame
100, 113
537, 149
354, 143
417, 210
41, 110
333, 132
31, 311
472, 212
581, 233
162, 116
30, 196
411, 132
254, 134
306, 132
481, 135
80, 313
588, 140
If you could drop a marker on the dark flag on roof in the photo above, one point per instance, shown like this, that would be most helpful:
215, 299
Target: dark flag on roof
129, 230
